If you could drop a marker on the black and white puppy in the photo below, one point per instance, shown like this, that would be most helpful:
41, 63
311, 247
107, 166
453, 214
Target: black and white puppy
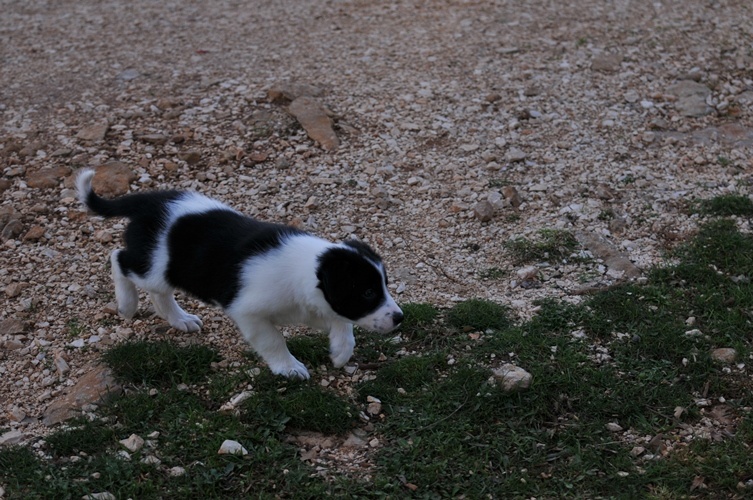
261, 274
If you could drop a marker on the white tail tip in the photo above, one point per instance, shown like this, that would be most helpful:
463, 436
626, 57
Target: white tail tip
84, 184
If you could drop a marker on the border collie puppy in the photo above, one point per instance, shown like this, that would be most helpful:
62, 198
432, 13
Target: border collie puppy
261, 274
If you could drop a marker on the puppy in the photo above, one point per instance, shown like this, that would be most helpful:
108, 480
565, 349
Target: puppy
261, 274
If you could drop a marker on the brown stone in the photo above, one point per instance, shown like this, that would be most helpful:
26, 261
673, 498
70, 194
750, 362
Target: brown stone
113, 179
35, 233
191, 157
5, 184
484, 211
154, 138
15, 289
724, 355
12, 229
313, 118
512, 196
94, 387
606, 62
11, 326
47, 178
287, 92
94, 132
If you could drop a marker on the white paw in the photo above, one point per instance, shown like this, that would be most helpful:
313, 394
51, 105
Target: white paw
341, 353
128, 308
187, 323
291, 369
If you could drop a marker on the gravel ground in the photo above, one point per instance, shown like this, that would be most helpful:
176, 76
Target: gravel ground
461, 125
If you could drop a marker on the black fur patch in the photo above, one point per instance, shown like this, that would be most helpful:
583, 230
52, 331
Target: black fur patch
207, 250
147, 212
351, 284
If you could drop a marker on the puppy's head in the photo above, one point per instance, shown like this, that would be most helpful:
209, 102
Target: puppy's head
354, 283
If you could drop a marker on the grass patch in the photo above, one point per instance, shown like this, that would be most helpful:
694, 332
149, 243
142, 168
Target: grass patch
312, 350
726, 205
632, 355
551, 245
478, 314
160, 363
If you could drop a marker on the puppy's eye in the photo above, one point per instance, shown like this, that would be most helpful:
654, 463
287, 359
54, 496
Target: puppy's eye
369, 294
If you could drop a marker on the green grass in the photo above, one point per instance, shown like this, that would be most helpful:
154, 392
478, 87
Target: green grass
160, 363
726, 205
445, 428
477, 314
551, 245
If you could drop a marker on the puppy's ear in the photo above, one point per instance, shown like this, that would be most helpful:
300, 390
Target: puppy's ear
334, 270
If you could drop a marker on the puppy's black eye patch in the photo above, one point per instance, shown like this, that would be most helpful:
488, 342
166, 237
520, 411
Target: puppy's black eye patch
369, 294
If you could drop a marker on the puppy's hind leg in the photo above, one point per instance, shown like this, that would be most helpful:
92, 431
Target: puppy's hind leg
166, 307
126, 294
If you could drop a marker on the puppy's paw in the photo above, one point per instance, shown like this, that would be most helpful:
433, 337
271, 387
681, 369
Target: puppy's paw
187, 323
341, 349
128, 302
291, 369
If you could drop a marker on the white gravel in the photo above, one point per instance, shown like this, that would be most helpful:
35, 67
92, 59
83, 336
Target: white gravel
438, 106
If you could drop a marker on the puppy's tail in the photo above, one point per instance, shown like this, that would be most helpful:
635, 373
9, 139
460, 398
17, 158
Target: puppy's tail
119, 207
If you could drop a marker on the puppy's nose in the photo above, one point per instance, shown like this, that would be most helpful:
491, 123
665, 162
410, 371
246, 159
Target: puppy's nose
397, 317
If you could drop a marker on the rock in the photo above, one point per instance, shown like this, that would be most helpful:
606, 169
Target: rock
78, 343
515, 155
512, 196
353, 441
104, 495
512, 377
176, 471
151, 460
312, 203
34, 233
158, 139
314, 119
613, 259
484, 211
288, 92
375, 405
5, 184
13, 228
606, 62
15, 289
61, 365
128, 74
191, 157
132, 443
11, 437
16, 414
93, 133
96, 385
691, 98
724, 355
230, 447
613, 427
113, 179
637, 451
527, 273
11, 326
47, 178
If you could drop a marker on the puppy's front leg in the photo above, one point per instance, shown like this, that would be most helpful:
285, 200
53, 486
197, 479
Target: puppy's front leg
269, 343
341, 343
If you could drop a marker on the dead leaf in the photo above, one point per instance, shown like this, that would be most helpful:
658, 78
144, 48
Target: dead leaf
698, 482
